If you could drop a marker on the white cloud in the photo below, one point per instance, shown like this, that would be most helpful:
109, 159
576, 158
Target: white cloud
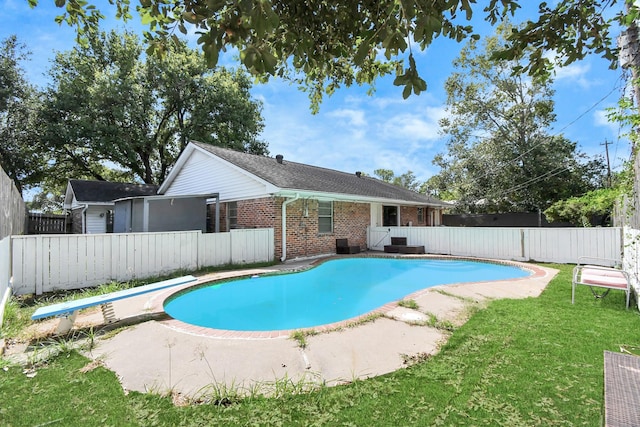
349, 116
576, 73
600, 119
415, 126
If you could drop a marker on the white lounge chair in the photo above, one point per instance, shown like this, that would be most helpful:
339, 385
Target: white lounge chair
599, 273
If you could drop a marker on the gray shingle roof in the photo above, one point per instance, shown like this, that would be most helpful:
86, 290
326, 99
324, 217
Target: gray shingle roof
103, 191
298, 176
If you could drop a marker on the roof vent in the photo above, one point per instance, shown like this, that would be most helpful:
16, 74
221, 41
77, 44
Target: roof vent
279, 158
358, 174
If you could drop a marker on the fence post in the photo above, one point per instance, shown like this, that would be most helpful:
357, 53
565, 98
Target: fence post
39, 267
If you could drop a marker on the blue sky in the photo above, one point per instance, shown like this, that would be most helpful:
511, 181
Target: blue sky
354, 131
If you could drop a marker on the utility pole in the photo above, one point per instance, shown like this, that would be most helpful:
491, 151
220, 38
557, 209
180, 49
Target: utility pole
606, 150
629, 58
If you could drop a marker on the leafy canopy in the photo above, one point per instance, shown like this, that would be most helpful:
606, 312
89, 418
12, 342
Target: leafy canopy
19, 104
113, 114
407, 180
323, 44
499, 156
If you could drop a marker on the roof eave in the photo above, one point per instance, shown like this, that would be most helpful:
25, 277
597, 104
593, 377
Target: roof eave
352, 198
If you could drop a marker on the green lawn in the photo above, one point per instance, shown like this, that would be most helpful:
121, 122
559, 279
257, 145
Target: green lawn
528, 362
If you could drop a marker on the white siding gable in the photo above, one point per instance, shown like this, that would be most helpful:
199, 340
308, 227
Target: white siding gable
202, 173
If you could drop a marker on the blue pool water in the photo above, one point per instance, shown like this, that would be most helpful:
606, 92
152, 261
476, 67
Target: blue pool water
335, 290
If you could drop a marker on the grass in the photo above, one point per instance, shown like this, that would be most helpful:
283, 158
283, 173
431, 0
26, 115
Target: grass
301, 336
537, 361
409, 303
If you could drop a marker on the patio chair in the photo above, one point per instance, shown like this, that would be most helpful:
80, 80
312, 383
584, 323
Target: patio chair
343, 247
399, 245
600, 277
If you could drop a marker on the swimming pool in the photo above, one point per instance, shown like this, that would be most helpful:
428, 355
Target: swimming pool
335, 290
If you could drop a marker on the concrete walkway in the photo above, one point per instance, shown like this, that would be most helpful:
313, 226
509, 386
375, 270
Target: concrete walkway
153, 355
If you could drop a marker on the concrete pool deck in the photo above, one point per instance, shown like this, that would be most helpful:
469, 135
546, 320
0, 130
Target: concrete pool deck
156, 353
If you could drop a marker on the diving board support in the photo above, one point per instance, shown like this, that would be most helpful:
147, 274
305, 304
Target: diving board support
68, 311
108, 314
66, 323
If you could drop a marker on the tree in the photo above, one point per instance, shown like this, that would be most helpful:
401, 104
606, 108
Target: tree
500, 157
406, 180
582, 210
19, 103
111, 114
324, 44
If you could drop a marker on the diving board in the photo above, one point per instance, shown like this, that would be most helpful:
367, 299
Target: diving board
68, 310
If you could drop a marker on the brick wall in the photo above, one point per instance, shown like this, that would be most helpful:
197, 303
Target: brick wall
257, 213
350, 220
410, 214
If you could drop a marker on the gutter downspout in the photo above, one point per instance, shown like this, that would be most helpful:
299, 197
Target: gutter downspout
83, 215
284, 226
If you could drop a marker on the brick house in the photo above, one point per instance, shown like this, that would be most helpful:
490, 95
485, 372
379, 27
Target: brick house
307, 206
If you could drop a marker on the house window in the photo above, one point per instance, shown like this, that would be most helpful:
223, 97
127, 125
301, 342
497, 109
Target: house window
232, 215
325, 217
389, 216
420, 215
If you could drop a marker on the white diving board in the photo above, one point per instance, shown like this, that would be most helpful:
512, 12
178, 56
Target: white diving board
68, 310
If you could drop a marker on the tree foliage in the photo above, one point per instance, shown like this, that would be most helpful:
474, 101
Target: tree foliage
324, 44
596, 203
112, 114
19, 103
581, 210
500, 157
407, 180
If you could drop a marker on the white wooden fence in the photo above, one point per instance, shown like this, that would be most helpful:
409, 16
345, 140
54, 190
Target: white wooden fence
631, 258
45, 263
5, 274
559, 245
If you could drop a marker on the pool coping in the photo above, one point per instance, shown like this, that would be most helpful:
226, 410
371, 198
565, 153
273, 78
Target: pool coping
156, 304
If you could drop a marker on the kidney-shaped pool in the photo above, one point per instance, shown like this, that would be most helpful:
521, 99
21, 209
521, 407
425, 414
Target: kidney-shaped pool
335, 290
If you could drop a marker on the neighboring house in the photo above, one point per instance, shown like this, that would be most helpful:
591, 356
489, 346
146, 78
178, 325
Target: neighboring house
308, 206
163, 213
90, 204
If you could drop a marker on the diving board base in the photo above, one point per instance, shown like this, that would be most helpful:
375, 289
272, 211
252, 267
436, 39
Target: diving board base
66, 323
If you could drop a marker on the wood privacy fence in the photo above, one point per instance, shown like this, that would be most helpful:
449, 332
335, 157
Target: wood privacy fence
12, 221
560, 245
12, 208
40, 223
46, 263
